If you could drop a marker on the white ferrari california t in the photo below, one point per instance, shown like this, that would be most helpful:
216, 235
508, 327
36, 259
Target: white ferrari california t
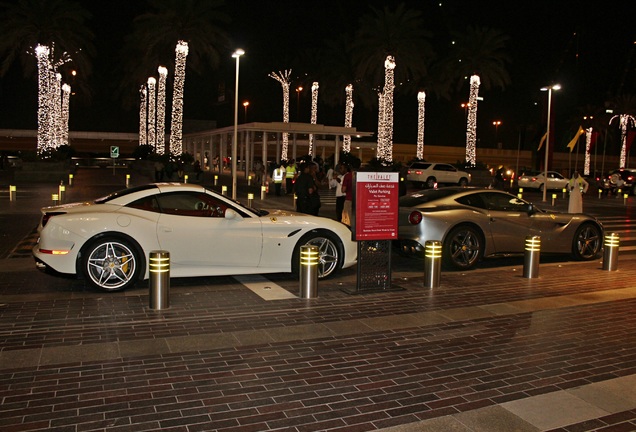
108, 241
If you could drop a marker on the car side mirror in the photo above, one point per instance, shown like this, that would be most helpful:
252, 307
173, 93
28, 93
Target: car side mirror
232, 214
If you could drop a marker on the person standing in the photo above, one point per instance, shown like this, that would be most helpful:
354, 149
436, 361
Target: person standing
340, 195
277, 176
577, 186
347, 188
290, 175
306, 191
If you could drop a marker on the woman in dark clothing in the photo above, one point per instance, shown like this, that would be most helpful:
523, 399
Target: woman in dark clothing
307, 198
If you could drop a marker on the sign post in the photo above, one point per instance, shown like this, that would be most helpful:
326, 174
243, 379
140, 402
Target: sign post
374, 226
114, 154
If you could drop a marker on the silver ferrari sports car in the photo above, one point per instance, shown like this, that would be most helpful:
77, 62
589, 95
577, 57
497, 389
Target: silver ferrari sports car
473, 223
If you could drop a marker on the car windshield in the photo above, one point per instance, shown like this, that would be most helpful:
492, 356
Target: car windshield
425, 196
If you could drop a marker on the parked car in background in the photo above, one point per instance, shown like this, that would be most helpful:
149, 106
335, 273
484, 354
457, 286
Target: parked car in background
473, 223
431, 174
624, 179
537, 180
107, 241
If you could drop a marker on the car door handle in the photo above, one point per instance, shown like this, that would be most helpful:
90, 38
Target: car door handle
165, 229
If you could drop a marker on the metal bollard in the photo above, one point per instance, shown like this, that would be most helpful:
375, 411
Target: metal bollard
55, 198
224, 190
531, 257
432, 263
70, 179
216, 180
564, 190
553, 199
600, 192
159, 271
185, 178
263, 192
250, 198
625, 196
610, 251
12, 192
249, 180
127, 180
309, 258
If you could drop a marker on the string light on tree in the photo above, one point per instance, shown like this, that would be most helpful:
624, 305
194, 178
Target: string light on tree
389, 87
588, 145
346, 141
42, 55
624, 122
283, 79
381, 128
471, 122
421, 100
66, 94
314, 114
55, 99
176, 125
152, 139
143, 121
161, 110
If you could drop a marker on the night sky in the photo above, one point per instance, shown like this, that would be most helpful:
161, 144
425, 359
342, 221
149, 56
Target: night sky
588, 50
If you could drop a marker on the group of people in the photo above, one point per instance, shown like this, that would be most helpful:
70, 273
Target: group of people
165, 171
306, 179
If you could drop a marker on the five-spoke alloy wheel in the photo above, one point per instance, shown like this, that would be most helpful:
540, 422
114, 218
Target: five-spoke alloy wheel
111, 264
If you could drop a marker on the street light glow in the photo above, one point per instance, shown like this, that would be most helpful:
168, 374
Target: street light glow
237, 55
547, 138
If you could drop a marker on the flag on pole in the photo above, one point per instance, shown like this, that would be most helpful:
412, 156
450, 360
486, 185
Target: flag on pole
575, 140
543, 138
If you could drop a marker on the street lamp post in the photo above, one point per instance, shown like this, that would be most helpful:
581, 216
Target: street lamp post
547, 139
465, 105
245, 105
237, 55
298, 90
496, 124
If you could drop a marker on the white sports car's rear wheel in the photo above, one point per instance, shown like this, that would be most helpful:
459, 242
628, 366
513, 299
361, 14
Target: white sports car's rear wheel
111, 264
330, 252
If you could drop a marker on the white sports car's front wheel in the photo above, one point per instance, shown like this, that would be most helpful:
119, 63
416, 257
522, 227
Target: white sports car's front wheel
330, 252
111, 264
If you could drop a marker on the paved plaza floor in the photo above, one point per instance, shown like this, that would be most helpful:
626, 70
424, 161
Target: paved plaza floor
488, 350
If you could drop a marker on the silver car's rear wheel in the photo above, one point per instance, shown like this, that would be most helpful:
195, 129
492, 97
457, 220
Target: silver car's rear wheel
463, 247
587, 242
111, 264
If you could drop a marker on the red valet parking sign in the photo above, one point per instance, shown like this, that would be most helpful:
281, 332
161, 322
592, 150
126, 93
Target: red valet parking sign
376, 205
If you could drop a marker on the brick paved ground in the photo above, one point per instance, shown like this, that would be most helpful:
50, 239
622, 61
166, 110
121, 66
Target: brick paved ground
487, 351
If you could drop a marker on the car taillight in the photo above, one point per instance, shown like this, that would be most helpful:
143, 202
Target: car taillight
415, 218
47, 216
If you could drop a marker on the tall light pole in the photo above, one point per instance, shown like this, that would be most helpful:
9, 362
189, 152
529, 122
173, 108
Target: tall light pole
245, 105
298, 90
547, 139
496, 124
237, 55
